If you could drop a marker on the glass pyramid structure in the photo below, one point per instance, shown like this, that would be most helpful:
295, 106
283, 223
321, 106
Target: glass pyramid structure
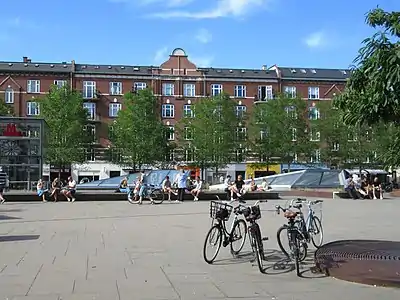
152, 177
310, 178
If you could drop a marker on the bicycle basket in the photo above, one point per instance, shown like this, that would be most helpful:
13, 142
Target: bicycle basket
219, 210
252, 213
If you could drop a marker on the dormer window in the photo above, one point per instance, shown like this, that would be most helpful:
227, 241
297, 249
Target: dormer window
293, 70
313, 71
303, 71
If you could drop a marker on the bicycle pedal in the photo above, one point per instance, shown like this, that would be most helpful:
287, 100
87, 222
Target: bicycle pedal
265, 238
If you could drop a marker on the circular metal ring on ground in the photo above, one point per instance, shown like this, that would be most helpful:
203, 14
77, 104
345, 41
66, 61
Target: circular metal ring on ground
370, 262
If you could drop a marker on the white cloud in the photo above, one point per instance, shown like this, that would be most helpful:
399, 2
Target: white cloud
161, 55
203, 36
202, 61
223, 8
316, 40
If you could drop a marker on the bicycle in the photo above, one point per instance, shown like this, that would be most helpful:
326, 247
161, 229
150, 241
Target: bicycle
252, 214
297, 242
311, 225
219, 235
152, 192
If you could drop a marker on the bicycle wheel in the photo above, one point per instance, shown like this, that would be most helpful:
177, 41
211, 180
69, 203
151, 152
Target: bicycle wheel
258, 249
213, 238
281, 234
238, 234
157, 196
317, 230
302, 246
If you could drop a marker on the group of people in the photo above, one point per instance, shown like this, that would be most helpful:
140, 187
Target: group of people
56, 190
176, 187
239, 187
363, 187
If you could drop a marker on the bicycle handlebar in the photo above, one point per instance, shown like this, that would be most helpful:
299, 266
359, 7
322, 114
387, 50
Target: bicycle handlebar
240, 208
305, 201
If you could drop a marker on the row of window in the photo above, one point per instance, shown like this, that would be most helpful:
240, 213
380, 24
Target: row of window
167, 110
89, 90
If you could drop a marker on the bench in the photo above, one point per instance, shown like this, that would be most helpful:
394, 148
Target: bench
340, 194
111, 195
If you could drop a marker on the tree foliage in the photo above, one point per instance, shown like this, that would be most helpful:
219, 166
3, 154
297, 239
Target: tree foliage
5, 109
372, 92
62, 109
211, 134
277, 131
138, 135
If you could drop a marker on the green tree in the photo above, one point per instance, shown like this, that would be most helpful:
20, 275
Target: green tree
62, 109
343, 145
5, 109
372, 92
263, 138
209, 136
138, 135
278, 131
333, 134
292, 129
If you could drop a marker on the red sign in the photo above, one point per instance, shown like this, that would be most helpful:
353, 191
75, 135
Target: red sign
11, 130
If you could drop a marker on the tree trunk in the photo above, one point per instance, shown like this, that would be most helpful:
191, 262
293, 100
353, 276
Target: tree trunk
288, 167
216, 171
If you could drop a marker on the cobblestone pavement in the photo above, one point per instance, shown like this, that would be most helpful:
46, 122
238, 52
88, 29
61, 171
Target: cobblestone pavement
106, 250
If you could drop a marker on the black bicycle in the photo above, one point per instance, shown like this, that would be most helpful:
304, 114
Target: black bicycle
252, 214
297, 242
219, 235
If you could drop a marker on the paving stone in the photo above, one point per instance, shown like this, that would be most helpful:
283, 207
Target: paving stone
114, 250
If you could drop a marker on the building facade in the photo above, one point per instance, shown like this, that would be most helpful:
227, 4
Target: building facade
177, 82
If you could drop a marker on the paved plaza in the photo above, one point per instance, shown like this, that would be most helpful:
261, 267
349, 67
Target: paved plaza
115, 250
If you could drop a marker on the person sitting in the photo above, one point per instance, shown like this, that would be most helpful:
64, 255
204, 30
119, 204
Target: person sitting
124, 188
377, 188
56, 187
167, 187
70, 190
197, 189
227, 186
41, 190
349, 187
238, 188
253, 185
264, 186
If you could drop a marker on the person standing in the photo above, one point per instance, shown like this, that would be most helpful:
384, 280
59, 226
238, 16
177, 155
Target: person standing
181, 180
3, 185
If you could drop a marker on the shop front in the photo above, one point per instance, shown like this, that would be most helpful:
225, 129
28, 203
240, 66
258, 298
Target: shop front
22, 149
256, 170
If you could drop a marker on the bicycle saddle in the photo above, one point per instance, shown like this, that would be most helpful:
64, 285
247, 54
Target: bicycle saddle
290, 214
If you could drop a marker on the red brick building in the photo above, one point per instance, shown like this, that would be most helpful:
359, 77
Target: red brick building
177, 82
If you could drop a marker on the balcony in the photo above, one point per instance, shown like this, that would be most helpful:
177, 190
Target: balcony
91, 94
93, 118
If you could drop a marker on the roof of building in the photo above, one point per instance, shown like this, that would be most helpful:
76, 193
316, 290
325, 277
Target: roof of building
113, 69
35, 67
240, 73
313, 73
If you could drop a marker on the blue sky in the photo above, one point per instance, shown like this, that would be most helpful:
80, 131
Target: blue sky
219, 33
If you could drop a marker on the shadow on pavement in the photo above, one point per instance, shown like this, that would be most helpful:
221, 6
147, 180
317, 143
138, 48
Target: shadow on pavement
243, 257
11, 210
16, 238
4, 217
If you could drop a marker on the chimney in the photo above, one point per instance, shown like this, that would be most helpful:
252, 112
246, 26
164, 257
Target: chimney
25, 59
264, 67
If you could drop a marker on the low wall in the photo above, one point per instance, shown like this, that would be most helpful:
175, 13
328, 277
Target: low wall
22, 196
